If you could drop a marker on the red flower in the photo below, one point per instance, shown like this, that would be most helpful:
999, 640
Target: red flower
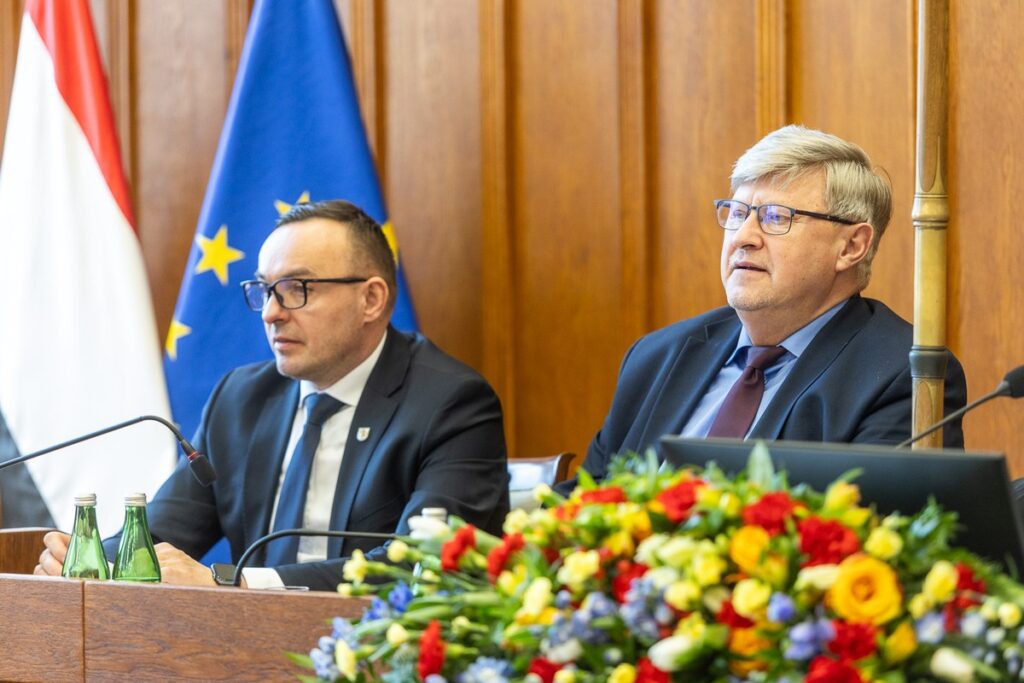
825, 670
826, 541
626, 571
566, 512
646, 672
431, 650
770, 513
727, 615
453, 549
968, 585
543, 668
498, 557
679, 499
853, 641
611, 494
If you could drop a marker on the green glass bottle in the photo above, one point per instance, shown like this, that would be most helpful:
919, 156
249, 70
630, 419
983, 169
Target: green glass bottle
85, 558
136, 558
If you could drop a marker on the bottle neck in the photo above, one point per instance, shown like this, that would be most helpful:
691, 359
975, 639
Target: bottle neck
135, 515
85, 520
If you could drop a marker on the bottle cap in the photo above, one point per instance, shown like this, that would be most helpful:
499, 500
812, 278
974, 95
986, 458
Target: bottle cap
135, 499
83, 499
435, 513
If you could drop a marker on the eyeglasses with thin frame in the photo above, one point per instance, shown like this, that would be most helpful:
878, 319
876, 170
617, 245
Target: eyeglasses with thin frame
290, 292
774, 219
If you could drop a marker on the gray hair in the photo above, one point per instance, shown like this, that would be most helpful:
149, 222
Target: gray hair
853, 189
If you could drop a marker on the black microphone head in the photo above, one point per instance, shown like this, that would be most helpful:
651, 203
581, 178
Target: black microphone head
201, 468
1013, 383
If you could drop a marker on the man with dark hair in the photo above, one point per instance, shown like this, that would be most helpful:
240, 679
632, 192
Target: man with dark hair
354, 425
797, 354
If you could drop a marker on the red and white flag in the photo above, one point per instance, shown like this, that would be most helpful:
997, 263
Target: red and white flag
78, 340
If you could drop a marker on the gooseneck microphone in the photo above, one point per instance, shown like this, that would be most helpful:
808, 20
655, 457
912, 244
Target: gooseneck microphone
262, 541
1012, 386
201, 468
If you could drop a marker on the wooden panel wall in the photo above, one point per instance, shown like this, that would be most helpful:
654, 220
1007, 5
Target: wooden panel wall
549, 164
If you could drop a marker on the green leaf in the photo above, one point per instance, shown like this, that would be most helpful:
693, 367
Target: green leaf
302, 660
760, 469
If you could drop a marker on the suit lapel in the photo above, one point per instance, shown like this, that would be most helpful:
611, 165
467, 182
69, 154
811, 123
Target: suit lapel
815, 360
265, 456
695, 366
376, 407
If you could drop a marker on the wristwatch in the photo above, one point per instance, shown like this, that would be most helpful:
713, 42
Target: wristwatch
223, 574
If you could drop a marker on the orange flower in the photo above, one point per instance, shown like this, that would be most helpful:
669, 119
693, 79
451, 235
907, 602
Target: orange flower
866, 590
747, 643
747, 547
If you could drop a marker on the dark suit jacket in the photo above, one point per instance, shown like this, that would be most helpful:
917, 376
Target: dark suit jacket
852, 384
436, 439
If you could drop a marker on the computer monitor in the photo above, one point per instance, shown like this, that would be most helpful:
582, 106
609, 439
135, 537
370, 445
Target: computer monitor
975, 485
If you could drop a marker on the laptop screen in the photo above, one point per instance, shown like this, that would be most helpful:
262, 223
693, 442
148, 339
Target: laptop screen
975, 485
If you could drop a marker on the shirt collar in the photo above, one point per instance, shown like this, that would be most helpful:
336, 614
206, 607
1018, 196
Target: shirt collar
349, 388
795, 343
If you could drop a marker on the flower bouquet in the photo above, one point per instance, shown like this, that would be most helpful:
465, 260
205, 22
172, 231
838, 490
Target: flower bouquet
660, 575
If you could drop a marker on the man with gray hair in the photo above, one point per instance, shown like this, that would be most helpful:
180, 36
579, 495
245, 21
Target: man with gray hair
797, 354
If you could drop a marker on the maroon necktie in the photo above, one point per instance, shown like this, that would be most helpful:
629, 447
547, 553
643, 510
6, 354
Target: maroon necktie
741, 403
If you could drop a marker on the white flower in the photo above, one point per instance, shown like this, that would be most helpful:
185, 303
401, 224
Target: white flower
428, 529
950, 665
541, 492
819, 577
566, 652
667, 654
397, 550
662, 577
516, 521
647, 550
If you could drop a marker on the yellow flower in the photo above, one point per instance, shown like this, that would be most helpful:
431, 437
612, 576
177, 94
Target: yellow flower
841, 495
564, 676
677, 551
747, 643
919, 605
516, 521
578, 567
691, 627
730, 504
1009, 615
900, 644
623, 673
708, 568
647, 551
683, 595
345, 660
397, 550
509, 581
748, 546
396, 634
750, 598
345, 590
634, 520
940, 584
816, 579
535, 601
855, 517
620, 544
866, 590
541, 492
709, 496
355, 569
884, 543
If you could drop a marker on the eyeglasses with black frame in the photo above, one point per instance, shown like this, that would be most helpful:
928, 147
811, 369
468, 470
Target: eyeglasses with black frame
290, 292
774, 219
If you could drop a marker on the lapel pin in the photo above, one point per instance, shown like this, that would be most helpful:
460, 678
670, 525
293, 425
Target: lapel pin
362, 434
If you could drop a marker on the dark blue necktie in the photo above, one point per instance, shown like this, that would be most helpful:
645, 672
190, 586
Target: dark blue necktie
291, 502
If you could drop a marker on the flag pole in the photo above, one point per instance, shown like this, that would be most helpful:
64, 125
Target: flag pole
928, 356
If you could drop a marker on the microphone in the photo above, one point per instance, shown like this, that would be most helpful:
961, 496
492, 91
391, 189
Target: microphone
201, 468
1012, 386
260, 542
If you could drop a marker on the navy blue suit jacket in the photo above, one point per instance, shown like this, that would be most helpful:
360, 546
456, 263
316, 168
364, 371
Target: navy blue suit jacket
436, 440
852, 384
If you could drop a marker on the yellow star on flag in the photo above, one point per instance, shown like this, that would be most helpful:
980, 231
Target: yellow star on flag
177, 331
389, 235
285, 207
217, 255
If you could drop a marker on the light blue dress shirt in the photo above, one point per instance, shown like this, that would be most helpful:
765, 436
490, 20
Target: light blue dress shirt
795, 344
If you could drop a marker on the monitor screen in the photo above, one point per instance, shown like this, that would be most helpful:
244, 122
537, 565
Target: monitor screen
975, 485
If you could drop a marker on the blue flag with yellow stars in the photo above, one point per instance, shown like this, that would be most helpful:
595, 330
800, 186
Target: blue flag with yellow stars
293, 133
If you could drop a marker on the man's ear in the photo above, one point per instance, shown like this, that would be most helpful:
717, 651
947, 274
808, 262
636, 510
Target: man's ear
375, 298
856, 246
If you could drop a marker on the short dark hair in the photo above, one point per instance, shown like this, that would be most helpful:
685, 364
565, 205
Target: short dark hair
371, 246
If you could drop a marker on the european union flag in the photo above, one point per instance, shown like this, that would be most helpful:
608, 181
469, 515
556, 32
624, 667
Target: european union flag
293, 133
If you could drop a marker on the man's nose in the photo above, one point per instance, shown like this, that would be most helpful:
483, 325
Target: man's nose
273, 311
748, 234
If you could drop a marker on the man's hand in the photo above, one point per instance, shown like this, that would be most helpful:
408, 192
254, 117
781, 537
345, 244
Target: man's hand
51, 561
178, 568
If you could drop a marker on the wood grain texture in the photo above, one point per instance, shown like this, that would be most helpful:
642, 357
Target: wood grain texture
161, 633
41, 637
20, 549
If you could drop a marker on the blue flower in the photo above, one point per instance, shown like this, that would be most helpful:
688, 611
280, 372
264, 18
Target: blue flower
600, 605
378, 609
326, 643
973, 625
781, 608
584, 631
930, 628
343, 630
563, 599
487, 670
435, 678
323, 665
400, 597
